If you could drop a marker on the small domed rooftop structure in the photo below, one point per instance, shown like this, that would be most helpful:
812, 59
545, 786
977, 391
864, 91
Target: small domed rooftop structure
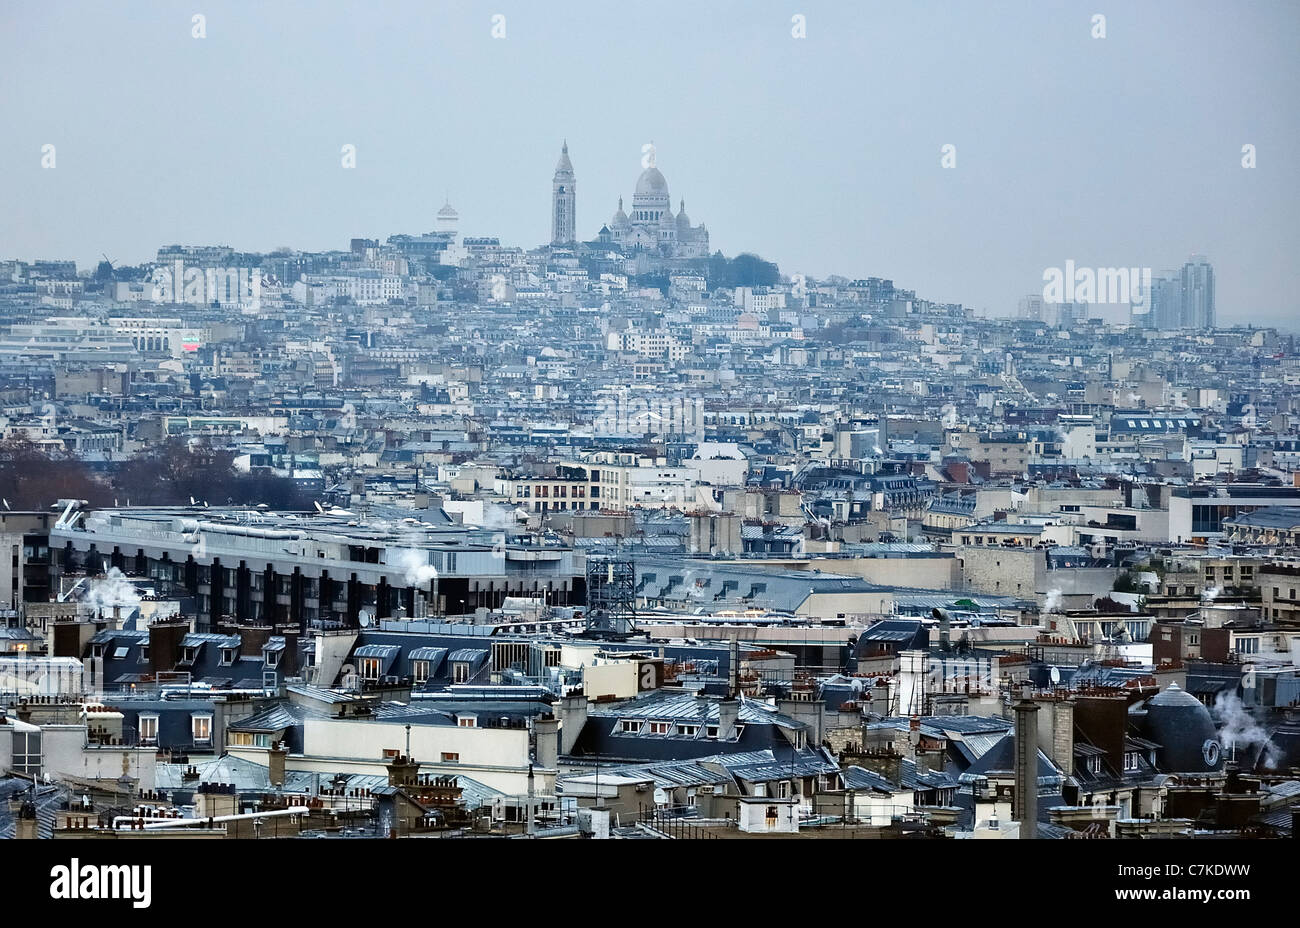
1188, 739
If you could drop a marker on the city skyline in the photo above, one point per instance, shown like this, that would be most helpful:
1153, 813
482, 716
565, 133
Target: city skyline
838, 172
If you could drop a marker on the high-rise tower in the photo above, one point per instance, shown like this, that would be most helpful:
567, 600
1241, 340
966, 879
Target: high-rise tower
1198, 294
563, 201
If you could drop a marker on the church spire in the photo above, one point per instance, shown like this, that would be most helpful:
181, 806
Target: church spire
563, 200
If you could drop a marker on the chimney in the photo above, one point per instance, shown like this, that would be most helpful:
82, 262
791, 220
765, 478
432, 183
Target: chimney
165, 639
25, 822
572, 716
733, 669
886, 761
1026, 766
1062, 748
275, 764
403, 771
530, 822
945, 628
1233, 781
289, 659
252, 638
547, 733
728, 716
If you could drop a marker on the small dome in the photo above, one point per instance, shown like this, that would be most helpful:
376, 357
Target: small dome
1188, 739
1282, 750
620, 220
651, 183
447, 212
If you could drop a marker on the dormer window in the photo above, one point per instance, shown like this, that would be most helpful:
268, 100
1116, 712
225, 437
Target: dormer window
1094, 764
148, 729
272, 658
420, 671
467, 721
369, 668
630, 726
1130, 760
227, 657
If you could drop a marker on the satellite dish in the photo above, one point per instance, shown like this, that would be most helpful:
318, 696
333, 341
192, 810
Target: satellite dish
1055, 675
365, 617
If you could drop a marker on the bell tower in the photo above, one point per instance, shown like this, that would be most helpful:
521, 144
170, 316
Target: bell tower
563, 201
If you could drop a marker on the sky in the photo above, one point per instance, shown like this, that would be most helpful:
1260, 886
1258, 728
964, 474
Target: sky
822, 153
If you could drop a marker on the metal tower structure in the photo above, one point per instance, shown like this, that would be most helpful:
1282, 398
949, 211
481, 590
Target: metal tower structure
611, 596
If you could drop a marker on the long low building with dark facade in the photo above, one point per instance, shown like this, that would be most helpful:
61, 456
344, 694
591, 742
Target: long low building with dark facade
318, 570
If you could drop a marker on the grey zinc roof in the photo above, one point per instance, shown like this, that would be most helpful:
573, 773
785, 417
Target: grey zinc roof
275, 718
664, 705
856, 777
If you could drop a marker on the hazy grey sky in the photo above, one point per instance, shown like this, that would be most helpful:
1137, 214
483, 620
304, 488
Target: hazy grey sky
822, 154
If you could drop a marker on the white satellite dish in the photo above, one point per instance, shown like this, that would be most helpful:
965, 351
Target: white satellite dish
365, 617
1055, 675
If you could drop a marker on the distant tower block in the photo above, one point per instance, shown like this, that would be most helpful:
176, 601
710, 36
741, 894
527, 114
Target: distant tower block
611, 597
563, 201
448, 219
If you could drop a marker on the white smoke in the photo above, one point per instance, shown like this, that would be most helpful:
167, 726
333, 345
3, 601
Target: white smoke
112, 590
1053, 602
1240, 730
414, 563
499, 517
1210, 595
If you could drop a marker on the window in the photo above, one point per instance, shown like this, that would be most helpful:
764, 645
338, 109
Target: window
272, 658
659, 728
1130, 760
370, 668
450, 757
460, 672
27, 753
467, 721
420, 671
1094, 764
630, 726
148, 729
227, 657
201, 726
250, 739
688, 731
712, 731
